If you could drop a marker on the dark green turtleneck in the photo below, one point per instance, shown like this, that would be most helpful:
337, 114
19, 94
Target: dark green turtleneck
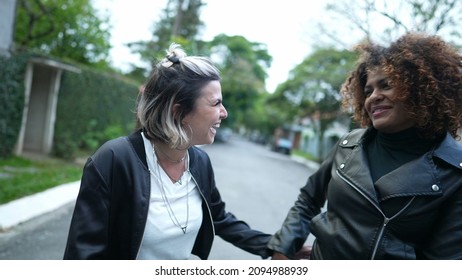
386, 152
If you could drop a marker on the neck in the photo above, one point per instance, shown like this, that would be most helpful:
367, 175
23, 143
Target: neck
406, 141
166, 154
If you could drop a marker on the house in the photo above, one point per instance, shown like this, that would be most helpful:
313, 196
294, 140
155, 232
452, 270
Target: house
305, 136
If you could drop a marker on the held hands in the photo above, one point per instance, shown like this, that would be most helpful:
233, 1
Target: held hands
303, 253
279, 256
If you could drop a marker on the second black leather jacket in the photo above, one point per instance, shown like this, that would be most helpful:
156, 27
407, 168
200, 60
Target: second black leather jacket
112, 206
418, 214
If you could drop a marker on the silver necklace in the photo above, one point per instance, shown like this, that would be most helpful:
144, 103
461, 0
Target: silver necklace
171, 214
168, 157
179, 181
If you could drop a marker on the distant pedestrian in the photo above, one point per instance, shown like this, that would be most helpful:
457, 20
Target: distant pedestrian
393, 188
152, 194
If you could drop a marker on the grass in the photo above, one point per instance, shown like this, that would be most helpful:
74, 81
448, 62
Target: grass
305, 155
20, 176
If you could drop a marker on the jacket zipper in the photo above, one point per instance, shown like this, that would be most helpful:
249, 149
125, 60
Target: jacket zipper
147, 213
206, 204
142, 238
386, 220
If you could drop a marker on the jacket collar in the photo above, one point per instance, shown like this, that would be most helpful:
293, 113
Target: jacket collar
394, 184
137, 142
449, 151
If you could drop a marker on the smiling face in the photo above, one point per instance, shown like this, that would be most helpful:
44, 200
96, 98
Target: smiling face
387, 116
206, 116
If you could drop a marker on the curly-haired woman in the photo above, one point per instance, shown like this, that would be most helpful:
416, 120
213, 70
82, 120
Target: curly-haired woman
393, 187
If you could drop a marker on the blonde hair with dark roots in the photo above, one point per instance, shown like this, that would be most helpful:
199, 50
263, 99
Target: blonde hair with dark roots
426, 73
176, 79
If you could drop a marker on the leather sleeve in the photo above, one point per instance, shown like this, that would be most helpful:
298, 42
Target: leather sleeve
295, 229
88, 233
445, 242
236, 231
227, 226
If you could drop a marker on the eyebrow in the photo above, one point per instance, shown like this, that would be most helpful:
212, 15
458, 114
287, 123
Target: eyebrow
378, 82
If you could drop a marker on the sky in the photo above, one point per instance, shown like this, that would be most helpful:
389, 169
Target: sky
284, 26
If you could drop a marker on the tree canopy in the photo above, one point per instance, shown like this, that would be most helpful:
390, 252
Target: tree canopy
383, 21
243, 67
243, 64
312, 90
180, 23
69, 29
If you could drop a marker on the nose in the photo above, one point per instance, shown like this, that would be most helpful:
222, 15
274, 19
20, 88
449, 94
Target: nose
374, 96
223, 112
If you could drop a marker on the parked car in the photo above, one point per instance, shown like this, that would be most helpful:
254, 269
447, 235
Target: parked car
283, 145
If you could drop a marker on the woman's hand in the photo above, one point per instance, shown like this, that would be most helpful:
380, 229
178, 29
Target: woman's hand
304, 253
279, 256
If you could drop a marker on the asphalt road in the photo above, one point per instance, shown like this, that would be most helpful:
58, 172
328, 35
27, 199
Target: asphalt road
258, 186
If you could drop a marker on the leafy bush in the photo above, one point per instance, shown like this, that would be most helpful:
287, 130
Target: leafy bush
12, 71
93, 107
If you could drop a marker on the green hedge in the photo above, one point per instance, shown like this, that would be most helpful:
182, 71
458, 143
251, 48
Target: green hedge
12, 71
93, 107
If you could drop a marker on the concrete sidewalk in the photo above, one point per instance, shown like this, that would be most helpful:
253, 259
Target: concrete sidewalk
29, 207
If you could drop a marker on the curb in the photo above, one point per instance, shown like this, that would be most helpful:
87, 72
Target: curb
310, 164
26, 208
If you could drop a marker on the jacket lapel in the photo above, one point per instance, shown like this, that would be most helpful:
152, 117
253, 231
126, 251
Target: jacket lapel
405, 181
352, 163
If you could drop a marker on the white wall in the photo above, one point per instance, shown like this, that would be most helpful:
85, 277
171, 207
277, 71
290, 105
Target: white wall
7, 18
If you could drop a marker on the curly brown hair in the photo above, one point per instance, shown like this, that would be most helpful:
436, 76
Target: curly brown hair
427, 75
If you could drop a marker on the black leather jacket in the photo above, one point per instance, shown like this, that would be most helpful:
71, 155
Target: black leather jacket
112, 206
418, 215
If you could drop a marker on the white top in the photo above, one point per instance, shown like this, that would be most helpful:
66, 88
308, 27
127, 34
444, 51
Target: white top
163, 238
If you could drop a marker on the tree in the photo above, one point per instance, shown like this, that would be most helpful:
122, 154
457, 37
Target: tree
242, 63
312, 90
64, 29
180, 23
383, 21
243, 67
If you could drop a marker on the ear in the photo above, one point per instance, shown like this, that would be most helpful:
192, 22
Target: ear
176, 109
